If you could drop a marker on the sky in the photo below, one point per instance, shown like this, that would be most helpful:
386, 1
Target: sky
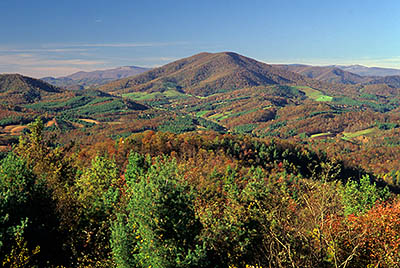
56, 38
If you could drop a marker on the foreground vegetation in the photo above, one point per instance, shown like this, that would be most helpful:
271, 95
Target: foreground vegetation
158, 199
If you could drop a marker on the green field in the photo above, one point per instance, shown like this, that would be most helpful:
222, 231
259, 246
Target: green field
321, 134
225, 115
314, 94
352, 135
169, 94
202, 113
220, 116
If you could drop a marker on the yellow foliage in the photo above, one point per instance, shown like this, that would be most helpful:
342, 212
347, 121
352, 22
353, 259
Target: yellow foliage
20, 256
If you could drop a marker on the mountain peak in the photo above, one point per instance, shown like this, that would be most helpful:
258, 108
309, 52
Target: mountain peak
205, 74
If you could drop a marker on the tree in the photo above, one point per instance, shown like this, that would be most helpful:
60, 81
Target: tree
163, 230
97, 194
359, 197
27, 213
371, 239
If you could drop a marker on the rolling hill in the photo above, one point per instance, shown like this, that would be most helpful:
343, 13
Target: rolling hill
392, 81
84, 79
63, 82
206, 74
18, 89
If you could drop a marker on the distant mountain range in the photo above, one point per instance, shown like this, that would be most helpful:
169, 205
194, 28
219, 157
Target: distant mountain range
205, 74
84, 79
344, 74
369, 71
326, 73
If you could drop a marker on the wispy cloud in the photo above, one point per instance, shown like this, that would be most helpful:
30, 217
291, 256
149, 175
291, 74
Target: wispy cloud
82, 47
39, 66
159, 58
41, 50
32, 60
120, 45
60, 59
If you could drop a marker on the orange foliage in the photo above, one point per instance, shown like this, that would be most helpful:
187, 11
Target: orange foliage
372, 238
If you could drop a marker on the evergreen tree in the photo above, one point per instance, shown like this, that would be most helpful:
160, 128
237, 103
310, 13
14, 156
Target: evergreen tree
27, 212
163, 228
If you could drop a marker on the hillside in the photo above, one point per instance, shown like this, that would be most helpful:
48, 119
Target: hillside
326, 73
17, 89
99, 77
64, 82
206, 74
392, 81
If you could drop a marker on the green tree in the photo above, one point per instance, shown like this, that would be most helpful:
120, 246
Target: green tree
27, 212
163, 228
56, 172
97, 194
358, 197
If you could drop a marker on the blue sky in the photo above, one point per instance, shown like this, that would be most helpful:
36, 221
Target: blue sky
41, 38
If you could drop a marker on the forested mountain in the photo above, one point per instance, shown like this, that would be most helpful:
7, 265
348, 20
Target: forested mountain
205, 74
337, 74
392, 81
84, 79
16, 89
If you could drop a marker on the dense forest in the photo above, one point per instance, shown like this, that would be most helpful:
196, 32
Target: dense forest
158, 199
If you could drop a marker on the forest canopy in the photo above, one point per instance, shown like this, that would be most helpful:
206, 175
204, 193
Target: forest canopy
158, 199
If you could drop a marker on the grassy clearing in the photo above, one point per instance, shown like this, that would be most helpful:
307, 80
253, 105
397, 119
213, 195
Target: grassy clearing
170, 94
314, 94
220, 116
202, 113
324, 98
321, 134
90, 121
352, 135
227, 114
